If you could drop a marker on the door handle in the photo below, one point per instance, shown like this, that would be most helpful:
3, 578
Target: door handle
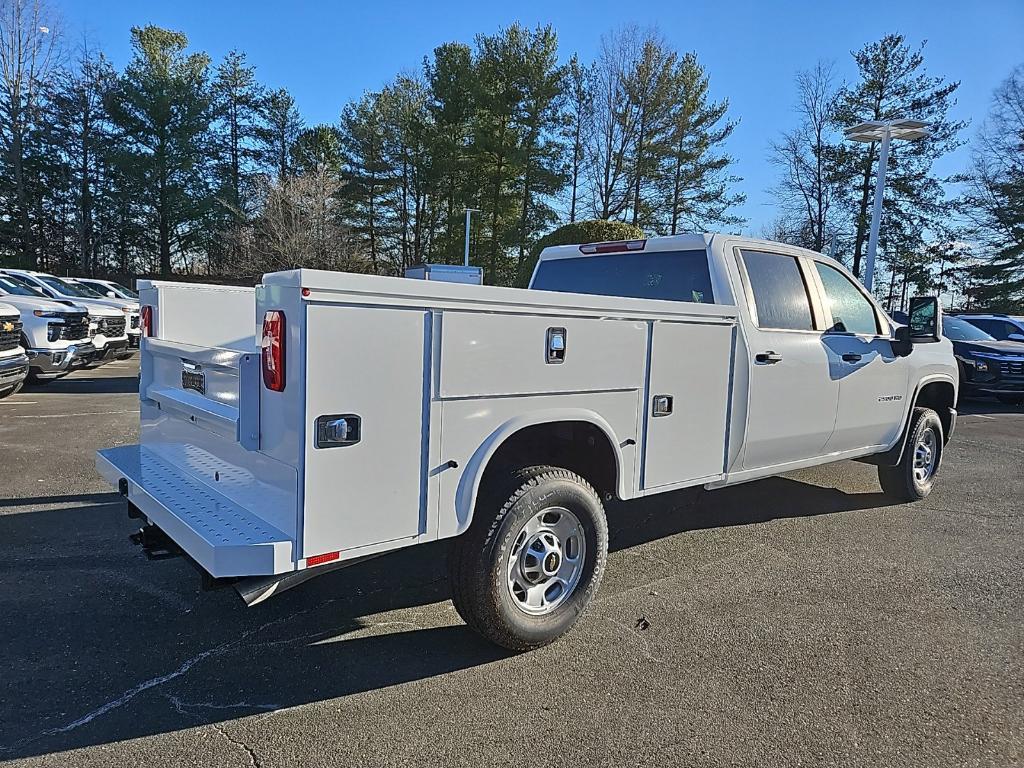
851, 357
767, 358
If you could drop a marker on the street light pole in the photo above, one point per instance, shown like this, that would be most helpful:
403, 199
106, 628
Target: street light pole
872, 132
469, 212
876, 213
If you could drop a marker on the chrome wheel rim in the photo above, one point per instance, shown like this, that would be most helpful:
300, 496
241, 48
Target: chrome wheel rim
546, 561
925, 455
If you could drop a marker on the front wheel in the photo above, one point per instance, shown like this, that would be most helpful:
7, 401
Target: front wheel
532, 559
8, 391
913, 477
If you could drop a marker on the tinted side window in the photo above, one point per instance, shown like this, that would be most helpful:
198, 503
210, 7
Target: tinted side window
780, 295
991, 327
851, 311
671, 275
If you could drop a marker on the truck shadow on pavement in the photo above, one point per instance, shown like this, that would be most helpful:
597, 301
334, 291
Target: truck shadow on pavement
102, 646
86, 383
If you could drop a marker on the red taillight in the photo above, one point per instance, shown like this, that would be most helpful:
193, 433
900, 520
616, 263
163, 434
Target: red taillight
324, 558
273, 350
146, 320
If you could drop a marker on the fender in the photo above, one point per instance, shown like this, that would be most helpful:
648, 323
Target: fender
469, 483
894, 454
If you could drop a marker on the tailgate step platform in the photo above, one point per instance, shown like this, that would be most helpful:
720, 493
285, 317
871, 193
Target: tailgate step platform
221, 536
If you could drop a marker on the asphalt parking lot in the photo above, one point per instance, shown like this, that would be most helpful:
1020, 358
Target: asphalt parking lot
799, 620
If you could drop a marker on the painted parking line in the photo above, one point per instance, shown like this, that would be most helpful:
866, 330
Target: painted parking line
18, 402
68, 415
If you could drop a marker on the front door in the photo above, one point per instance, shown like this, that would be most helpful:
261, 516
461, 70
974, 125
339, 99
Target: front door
873, 381
793, 398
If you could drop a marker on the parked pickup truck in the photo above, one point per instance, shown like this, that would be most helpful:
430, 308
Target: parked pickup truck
109, 319
325, 418
13, 361
55, 335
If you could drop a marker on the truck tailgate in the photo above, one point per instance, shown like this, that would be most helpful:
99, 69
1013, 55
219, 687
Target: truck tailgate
222, 536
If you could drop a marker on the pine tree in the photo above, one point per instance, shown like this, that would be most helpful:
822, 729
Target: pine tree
162, 109
894, 84
277, 132
696, 179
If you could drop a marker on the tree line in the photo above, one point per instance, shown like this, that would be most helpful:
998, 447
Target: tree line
179, 164
961, 236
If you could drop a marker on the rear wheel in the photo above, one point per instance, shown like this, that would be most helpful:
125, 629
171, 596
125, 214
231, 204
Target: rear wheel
532, 559
913, 477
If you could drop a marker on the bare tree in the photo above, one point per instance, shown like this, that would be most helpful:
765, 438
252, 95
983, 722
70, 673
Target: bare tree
615, 127
29, 50
805, 156
298, 226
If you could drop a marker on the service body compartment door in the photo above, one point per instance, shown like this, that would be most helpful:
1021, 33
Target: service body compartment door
691, 366
367, 363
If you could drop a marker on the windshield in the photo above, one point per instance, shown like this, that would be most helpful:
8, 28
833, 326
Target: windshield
14, 288
117, 289
66, 288
91, 291
960, 330
26, 283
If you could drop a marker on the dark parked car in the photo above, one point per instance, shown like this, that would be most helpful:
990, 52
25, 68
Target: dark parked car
987, 366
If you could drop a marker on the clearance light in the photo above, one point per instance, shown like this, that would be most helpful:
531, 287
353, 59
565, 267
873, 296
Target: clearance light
324, 558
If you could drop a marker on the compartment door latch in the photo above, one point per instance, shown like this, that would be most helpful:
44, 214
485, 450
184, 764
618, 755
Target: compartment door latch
338, 430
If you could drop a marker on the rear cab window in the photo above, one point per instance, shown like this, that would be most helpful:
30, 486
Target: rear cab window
781, 298
665, 275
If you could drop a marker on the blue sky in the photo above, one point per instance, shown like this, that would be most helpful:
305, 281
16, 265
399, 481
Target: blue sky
328, 53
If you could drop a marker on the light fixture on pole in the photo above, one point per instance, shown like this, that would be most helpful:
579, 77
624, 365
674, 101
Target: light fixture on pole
882, 131
469, 212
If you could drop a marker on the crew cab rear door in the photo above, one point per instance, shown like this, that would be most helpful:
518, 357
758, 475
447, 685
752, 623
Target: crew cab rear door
793, 398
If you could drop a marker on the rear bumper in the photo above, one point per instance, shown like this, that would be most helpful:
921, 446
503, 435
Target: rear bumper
47, 362
222, 537
13, 370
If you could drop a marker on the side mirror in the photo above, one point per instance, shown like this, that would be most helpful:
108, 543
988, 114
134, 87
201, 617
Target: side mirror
111, 295
924, 319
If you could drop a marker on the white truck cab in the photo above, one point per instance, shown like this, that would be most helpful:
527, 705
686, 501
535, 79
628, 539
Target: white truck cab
324, 418
55, 335
13, 360
109, 319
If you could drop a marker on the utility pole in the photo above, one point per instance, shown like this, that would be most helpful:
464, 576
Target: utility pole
882, 131
469, 213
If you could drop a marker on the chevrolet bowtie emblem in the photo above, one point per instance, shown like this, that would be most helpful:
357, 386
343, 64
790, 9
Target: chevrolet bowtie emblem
8, 327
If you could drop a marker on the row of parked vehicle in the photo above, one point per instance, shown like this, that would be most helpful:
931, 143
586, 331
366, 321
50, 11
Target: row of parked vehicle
50, 326
989, 351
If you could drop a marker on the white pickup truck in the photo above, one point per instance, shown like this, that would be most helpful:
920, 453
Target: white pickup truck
324, 418
13, 360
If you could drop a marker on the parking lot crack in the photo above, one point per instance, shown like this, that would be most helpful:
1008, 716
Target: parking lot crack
253, 760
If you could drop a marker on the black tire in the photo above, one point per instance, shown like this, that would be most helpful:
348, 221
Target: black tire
901, 482
10, 390
480, 557
38, 381
1011, 399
